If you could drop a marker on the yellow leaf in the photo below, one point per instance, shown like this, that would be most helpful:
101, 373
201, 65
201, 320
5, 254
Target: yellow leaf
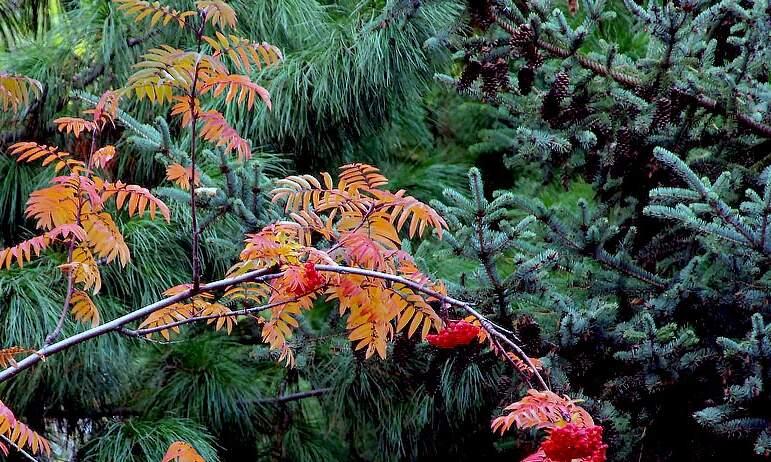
84, 309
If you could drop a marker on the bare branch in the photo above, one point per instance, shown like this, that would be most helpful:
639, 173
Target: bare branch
263, 275
116, 324
26, 455
152, 330
489, 326
294, 396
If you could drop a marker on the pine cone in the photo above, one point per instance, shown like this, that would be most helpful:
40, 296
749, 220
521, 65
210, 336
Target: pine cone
501, 67
557, 92
529, 332
523, 36
559, 88
578, 109
479, 11
663, 115
624, 146
469, 75
490, 86
525, 78
523, 45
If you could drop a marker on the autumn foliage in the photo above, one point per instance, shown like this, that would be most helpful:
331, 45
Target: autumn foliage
340, 241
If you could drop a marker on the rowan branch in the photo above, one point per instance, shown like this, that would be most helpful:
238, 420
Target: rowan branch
116, 324
488, 326
152, 330
21, 450
262, 275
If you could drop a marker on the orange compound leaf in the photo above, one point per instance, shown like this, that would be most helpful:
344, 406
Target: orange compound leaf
49, 155
225, 317
7, 359
15, 91
106, 108
217, 130
363, 251
238, 87
103, 155
282, 322
181, 176
179, 451
403, 208
181, 288
53, 206
542, 409
20, 434
23, 252
183, 108
105, 238
168, 315
218, 13
522, 366
134, 199
85, 268
23, 436
84, 309
360, 176
7, 419
154, 11
75, 125
243, 53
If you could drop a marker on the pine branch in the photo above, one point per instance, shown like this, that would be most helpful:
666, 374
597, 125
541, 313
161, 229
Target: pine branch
89, 75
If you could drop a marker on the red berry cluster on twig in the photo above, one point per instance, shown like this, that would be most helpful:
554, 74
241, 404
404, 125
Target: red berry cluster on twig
574, 442
310, 281
457, 333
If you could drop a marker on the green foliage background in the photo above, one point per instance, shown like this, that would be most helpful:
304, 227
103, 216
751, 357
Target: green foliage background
607, 238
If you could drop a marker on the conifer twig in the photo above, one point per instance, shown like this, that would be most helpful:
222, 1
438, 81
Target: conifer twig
635, 83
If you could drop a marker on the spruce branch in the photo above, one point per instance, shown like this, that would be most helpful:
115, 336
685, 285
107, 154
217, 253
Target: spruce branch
636, 84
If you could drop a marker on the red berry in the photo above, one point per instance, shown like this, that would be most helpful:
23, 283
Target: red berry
573, 442
455, 334
310, 280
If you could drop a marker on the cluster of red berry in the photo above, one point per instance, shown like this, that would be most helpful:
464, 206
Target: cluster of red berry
456, 333
573, 442
310, 281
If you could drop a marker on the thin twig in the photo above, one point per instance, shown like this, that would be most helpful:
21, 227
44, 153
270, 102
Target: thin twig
262, 275
18, 448
294, 396
114, 325
192, 98
71, 273
490, 327
245, 311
